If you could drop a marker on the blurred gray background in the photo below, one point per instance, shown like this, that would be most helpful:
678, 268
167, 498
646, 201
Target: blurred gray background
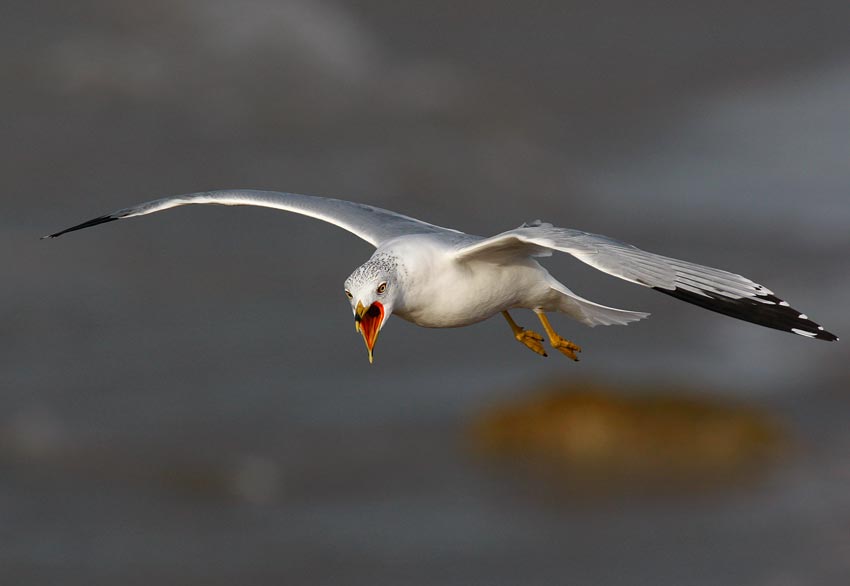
184, 398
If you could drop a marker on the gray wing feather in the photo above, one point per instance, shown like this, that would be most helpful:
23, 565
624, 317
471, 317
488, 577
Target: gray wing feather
374, 225
616, 258
713, 289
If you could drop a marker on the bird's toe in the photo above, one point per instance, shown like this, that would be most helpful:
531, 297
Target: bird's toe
567, 348
532, 340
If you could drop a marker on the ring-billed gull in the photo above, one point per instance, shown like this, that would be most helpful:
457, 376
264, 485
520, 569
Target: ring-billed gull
442, 278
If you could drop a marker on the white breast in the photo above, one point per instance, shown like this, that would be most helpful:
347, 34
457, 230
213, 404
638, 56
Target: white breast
440, 292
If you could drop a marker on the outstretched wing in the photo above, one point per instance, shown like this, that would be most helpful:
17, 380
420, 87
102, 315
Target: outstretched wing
710, 288
374, 225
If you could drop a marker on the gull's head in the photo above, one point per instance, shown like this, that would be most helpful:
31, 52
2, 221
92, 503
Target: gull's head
372, 290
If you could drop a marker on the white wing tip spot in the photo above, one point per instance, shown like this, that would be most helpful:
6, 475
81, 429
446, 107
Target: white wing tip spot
803, 316
784, 304
802, 333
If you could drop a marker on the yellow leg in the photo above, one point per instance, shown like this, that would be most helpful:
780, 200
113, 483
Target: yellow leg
564, 346
532, 340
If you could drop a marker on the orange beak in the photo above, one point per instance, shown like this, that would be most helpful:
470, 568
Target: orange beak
368, 322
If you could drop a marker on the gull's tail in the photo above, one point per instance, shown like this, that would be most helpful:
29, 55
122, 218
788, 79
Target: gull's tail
590, 313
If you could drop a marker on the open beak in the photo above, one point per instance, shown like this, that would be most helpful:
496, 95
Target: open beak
368, 322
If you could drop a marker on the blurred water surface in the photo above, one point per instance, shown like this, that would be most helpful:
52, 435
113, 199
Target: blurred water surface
184, 399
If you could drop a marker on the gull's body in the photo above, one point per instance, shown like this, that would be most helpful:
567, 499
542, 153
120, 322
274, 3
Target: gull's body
440, 277
476, 293
438, 291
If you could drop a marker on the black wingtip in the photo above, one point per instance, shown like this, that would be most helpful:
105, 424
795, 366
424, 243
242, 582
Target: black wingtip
87, 224
772, 312
824, 335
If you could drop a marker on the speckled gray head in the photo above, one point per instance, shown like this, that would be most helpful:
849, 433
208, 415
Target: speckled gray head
371, 289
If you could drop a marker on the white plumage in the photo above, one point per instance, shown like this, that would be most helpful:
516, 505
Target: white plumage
440, 277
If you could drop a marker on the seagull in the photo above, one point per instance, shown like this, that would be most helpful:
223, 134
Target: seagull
442, 278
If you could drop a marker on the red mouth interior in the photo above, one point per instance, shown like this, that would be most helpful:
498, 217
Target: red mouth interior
370, 323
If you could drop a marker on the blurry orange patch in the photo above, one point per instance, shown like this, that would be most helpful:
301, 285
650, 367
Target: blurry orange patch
607, 440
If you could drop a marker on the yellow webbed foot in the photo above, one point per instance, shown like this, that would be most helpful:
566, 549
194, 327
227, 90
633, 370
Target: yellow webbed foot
566, 347
532, 340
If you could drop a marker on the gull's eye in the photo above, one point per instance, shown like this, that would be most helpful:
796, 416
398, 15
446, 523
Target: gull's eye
348, 293
381, 288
